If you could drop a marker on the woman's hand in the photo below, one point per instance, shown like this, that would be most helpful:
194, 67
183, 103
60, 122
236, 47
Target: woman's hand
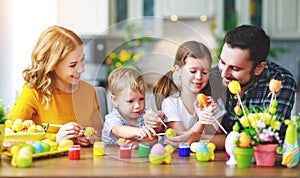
70, 130
86, 141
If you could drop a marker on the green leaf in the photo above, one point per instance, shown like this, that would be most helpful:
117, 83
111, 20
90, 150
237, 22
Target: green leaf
250, 131
2, 112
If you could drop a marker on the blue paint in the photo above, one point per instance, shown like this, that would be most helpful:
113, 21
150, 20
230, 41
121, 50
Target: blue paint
184, 150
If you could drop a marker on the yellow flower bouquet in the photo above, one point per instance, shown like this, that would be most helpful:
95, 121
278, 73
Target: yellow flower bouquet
261, 124
262, 127
258, 127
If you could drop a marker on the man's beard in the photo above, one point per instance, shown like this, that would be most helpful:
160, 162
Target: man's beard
250, 81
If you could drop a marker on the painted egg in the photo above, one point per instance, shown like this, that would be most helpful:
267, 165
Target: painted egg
202, 99
65, 144
170, 133
193, 147
244, 140
275, 85
158, 149
234, 87
38, 148
237, 110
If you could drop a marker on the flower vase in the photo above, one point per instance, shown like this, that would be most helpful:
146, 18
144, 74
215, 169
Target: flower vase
243, 156
2, 132
265, 154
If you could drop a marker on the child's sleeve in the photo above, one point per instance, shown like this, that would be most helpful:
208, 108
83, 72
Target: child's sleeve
111, 120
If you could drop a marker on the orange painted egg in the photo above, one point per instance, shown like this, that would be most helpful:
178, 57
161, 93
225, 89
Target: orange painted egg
275, 85
202, 99
237, 110
244, 140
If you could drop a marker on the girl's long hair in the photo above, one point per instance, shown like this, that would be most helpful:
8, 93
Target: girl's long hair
165, 86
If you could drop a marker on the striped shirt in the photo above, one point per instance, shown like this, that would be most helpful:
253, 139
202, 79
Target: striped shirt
114, 118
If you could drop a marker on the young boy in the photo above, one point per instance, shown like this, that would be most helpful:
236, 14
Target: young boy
127, 88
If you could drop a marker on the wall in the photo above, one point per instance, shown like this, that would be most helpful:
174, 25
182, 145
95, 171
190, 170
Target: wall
291, 61
159, 58
158, 55
21, 24
6, 63
26, 28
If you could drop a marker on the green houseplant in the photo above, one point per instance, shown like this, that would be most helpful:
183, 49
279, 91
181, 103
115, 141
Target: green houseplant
126, 54
2, 123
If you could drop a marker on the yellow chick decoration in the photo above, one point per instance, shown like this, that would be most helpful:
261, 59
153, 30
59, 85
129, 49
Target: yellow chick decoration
211, 148
202, 152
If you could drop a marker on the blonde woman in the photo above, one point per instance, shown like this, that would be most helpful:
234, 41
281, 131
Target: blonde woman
53, 92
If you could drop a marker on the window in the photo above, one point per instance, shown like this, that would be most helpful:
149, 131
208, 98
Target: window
230, 15
255, 12
140, 12
148, 8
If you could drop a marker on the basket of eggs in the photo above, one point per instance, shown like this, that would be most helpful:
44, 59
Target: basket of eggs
22, 131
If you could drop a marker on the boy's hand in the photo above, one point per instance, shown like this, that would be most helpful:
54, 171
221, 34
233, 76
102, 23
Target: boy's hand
134, 145
146, 132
